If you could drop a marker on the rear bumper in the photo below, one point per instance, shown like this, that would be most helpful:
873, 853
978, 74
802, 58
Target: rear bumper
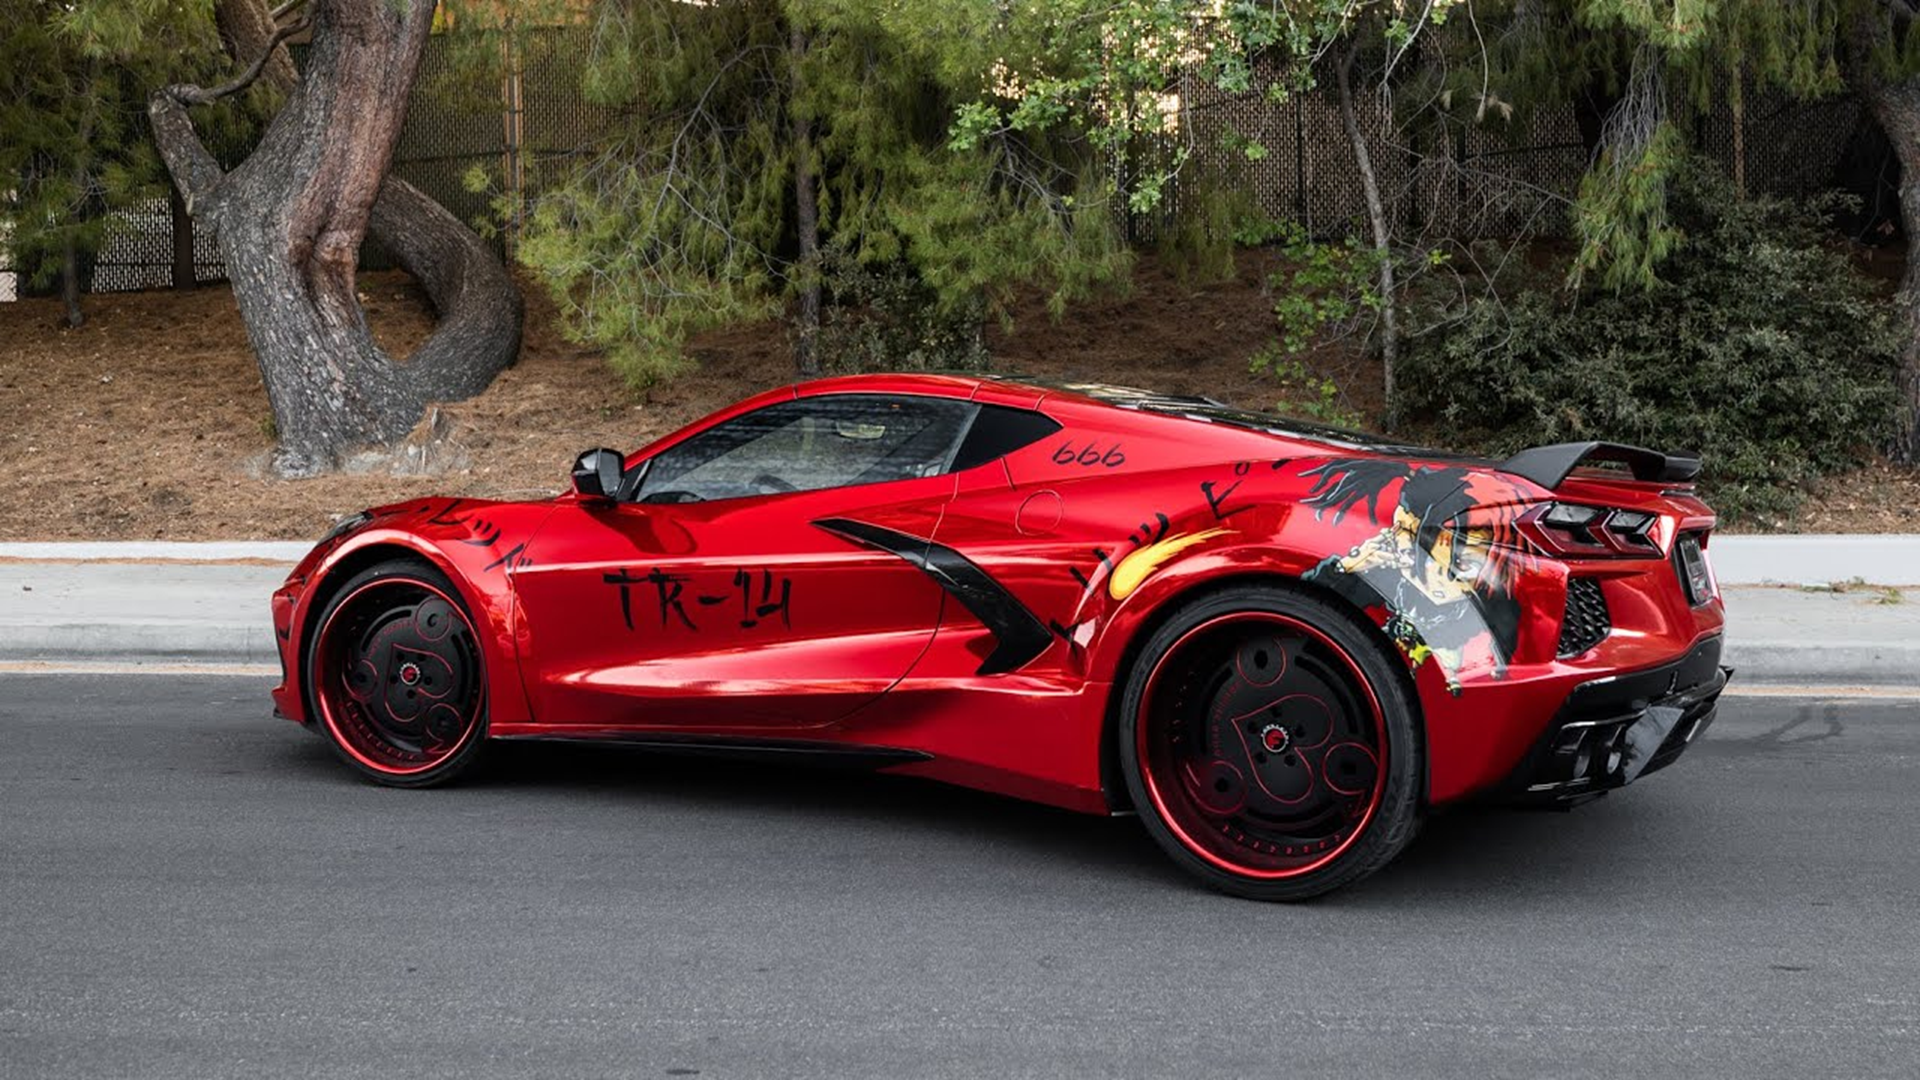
1614, 730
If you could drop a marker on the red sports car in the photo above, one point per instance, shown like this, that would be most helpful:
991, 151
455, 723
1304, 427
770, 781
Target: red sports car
1280, 644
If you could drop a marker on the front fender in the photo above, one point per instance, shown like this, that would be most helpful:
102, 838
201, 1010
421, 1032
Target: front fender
479, 546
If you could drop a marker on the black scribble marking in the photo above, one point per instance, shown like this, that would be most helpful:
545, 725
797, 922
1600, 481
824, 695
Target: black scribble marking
441, 518
1150, 534
709, 601
751, 613
1241, 468
488, 535
1086, 583
503, 560
625, 580
1218, 503
670, 587
1278, 462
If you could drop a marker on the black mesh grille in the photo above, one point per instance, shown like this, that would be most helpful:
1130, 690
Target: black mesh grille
1586, 621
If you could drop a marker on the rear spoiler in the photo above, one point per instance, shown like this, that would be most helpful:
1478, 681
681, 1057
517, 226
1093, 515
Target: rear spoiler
1548, 466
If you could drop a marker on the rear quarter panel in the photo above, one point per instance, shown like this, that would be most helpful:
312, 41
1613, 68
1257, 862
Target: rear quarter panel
1101, 553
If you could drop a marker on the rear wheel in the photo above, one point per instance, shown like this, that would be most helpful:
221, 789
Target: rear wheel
396, 676
1270, 745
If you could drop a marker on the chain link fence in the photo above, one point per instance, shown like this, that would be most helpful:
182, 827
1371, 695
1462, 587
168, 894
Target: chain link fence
1499, 179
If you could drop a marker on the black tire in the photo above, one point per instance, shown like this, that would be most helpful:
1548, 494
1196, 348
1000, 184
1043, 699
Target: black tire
401, 625
1245, 783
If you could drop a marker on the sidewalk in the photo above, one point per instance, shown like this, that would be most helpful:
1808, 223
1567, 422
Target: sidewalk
138, 612
169, 612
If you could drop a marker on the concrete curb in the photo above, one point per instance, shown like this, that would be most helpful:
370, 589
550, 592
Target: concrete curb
1832, 663
150, 611
272, 551
140, 643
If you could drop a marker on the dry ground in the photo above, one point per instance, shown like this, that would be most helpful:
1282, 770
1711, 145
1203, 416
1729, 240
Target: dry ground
150, 422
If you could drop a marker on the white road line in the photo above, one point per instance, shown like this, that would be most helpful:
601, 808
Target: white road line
1829, 692
65, 667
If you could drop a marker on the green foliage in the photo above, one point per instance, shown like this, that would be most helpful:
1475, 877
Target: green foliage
1761, 347
1322, 290
1321, 287
1197, 234
1621, 218
1115, 68
681, 215
886, 318
74, 80
1304, 392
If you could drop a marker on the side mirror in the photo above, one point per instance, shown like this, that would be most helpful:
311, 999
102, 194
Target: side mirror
596, 475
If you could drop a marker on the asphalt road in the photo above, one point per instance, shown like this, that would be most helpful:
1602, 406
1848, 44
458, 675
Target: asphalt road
190, 888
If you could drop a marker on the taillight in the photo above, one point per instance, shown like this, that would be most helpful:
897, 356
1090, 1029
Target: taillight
1690, 565
1601, 532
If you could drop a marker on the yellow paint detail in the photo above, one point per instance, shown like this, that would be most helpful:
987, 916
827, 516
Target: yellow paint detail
1139, 566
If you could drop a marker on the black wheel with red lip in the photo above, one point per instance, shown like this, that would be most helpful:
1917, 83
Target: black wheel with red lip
396, 678
1270, 745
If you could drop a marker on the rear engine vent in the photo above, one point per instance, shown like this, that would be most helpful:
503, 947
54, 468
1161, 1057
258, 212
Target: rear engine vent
1586, 621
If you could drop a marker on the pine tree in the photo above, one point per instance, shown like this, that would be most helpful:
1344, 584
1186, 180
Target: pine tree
795, 156
73, 86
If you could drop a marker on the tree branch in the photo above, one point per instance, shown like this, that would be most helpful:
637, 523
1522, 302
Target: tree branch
194, 95
282, 11
194, 171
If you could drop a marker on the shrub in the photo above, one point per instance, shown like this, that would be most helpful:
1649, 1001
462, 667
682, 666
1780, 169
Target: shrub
884, 318
1760, 346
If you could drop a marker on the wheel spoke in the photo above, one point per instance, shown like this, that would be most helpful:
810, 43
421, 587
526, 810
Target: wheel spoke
397, 672
1261, 744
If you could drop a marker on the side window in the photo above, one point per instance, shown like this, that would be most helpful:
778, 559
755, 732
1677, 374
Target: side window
999, 431
835, 440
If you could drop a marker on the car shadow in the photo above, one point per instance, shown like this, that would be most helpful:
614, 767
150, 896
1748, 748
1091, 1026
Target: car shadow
1478, 851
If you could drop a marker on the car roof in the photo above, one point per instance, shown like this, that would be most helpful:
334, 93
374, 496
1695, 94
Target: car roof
1173, 407
1049, 395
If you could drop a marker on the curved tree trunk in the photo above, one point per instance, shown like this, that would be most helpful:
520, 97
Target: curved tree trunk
291, 219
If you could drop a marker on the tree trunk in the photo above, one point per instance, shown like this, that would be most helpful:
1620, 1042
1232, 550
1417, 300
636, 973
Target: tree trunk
246, 29
1382, 236
1906, 443
70, 289
291, 219
1895, 103
806, 212
185, 276
1737, 113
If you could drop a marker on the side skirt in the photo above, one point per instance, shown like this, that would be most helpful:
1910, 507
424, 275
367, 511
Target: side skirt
771, 751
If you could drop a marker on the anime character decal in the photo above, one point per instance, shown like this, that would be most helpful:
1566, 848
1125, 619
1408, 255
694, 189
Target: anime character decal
1446, 581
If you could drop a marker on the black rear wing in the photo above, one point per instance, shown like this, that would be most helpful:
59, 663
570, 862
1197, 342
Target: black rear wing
1549, 466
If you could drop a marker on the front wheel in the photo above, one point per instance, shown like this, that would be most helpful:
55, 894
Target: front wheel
1270, 745
396, 676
